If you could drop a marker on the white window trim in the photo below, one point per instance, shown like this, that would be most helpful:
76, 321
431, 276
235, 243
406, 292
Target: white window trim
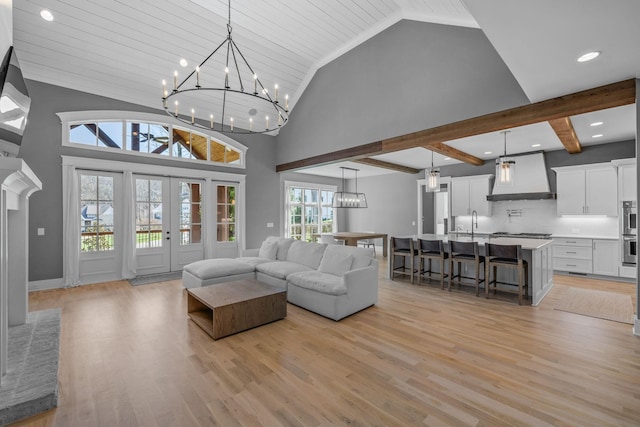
68, 118
305, 185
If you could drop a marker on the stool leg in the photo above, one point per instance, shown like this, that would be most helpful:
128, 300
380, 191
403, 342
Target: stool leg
520, 284
487, 279
477, 279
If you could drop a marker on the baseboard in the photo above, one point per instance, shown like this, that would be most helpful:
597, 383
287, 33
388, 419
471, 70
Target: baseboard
44, 285
595, 276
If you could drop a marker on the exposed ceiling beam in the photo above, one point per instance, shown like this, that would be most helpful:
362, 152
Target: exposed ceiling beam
600, 98
387, 165
567, 134
454, 153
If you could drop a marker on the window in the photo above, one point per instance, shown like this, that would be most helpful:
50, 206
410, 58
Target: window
96, 213
226, 213
149, 138
308, 209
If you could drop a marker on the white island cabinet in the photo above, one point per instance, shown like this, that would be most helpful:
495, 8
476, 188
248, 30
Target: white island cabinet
587, 190
537, 252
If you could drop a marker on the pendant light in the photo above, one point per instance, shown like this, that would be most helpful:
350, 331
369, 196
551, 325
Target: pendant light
505, 168
432, 175
347, 199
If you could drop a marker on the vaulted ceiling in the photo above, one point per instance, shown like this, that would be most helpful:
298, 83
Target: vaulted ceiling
124, 50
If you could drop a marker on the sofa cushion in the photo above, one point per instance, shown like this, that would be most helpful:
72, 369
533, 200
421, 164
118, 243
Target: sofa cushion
283, 246
254, 260
361, 256
306, 253
319, 282
219, 267
268, 249
335, 262
281, 269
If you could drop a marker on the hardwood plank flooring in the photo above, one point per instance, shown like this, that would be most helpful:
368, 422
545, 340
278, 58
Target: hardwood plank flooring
130, 356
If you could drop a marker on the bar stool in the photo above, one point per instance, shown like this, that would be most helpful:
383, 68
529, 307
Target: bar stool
508, 256
467, 253
429, 250
402, 247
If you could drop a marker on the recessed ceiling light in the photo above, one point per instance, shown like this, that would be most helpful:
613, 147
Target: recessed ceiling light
599, 135
589, 56
46, 15
596, 124
487, 152
447, 158
183, 62
535, 145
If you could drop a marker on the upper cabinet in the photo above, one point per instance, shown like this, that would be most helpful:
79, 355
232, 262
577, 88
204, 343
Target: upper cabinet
587, 190
470, 193
627, 179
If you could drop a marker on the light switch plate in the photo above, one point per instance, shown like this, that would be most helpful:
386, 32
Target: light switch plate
40, 231
575, 230
269, 225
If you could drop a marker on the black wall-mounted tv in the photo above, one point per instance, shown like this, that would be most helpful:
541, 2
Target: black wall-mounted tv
14, 105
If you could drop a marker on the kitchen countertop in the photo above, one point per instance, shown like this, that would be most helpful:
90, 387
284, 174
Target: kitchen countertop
528, 244
580, 236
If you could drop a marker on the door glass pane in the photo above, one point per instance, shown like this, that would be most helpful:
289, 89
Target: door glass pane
225, 213
96, 213
190, 213
148, 213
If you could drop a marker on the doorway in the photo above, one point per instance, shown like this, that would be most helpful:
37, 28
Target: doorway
168, 223
434, 208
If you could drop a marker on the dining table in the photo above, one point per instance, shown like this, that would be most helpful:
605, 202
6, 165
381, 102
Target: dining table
351, 238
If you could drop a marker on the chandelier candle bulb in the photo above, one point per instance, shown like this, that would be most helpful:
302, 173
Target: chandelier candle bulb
255, 84
226, 77
193, 116
286, 103
211, 117
176, 108
266, 119
250, 124
164, 88
198, 77
276, 87
231, 123
175, 80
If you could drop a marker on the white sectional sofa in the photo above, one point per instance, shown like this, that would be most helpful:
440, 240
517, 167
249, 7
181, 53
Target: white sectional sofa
331, 280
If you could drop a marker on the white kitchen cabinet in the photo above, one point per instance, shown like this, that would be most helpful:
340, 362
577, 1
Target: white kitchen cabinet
469, 194
587, 190
605, 258
627, 182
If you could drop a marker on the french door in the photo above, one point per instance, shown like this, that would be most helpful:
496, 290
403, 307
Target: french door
168, 223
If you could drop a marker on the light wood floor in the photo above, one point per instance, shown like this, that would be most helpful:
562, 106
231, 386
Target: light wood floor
129, 356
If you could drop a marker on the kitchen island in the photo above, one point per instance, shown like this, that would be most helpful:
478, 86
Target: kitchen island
537, 252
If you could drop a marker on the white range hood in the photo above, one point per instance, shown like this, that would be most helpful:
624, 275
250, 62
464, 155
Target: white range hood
531, 181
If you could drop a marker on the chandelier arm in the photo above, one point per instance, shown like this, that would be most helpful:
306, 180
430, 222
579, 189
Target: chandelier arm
235, 62
266, 92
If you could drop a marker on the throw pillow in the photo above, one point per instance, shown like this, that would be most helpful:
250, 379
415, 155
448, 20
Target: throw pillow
269, 249
336, 263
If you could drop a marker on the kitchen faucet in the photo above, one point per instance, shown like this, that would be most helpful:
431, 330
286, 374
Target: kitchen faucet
474, 213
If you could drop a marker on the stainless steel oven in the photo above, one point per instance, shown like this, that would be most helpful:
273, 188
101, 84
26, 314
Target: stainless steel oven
629, 218
629, 250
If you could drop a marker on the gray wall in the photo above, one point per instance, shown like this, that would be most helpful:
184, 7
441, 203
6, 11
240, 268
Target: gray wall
412, 76
41, 149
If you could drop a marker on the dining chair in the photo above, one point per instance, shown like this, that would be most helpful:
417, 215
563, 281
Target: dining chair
428, 251
506, 256
329, 240
465, 253
402, 247
367, 243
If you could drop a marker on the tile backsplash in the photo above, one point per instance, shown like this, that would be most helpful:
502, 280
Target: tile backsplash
539, 216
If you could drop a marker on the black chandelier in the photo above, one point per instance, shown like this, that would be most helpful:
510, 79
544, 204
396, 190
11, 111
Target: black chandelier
233, 106
349, 199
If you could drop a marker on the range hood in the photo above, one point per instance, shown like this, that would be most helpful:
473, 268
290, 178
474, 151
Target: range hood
531, 181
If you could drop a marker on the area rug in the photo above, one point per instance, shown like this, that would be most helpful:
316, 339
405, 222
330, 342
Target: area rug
600, 304
154, 278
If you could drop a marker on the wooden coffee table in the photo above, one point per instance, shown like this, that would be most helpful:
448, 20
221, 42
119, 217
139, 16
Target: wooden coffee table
227, 308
